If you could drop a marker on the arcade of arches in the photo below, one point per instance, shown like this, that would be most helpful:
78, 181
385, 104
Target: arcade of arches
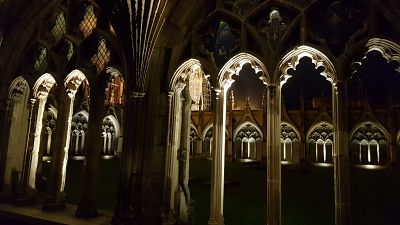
156, 84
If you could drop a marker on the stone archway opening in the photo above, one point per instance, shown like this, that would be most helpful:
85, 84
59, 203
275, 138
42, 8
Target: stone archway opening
225, 79
303, 64
186, 95
18, 114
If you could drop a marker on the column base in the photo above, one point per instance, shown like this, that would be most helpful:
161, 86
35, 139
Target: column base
216, 222
54, 203
168, 217
212, 222
86, 212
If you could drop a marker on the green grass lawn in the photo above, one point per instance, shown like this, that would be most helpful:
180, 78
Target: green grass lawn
307, 195
107, 189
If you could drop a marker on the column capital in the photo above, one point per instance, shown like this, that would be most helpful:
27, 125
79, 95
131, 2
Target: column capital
71, 93
33, 101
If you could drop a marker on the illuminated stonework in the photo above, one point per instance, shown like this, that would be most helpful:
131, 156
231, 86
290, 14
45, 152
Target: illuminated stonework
110, 135
246, 138
289, 136
79, 126
389, 50
73, 81
235, 64
369, 144
320, 142
18, 87
43, 85
189, 67
292, 59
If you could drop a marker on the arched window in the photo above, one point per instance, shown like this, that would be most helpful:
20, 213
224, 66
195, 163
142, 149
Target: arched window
41, 59
79, 127
102, 56
193, 141
110, 137
59, 28
320, 143
289, 143
89, 21
246, 140
207, 144
50, 126
206, 96
369, 144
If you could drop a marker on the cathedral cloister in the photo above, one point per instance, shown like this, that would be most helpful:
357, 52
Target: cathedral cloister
151, 86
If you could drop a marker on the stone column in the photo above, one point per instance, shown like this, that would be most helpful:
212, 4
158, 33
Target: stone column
28, 151
273, 156
218, 161
171, 163
36, 140
127, 210
87, 206
184, 203
56, 182
341, 156
4, 138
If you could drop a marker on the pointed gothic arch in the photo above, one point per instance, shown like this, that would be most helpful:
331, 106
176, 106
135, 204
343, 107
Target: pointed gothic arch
292, 59
246, 123
248, 139
369, 144
389, 50
41, 90
181, 95
111, 133
290, 143
235, 65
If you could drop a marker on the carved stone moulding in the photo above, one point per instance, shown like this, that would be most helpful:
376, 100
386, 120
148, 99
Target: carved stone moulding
292, 59
235, 65
43, 85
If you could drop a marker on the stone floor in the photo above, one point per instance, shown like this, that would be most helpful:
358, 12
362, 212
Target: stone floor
10, 214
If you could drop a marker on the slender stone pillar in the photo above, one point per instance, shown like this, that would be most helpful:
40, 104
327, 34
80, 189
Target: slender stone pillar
4, 138
341, 156
184, 203
36, 140
56, 182
218, 161
87, 206
28, 151
273, 156
171, 164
